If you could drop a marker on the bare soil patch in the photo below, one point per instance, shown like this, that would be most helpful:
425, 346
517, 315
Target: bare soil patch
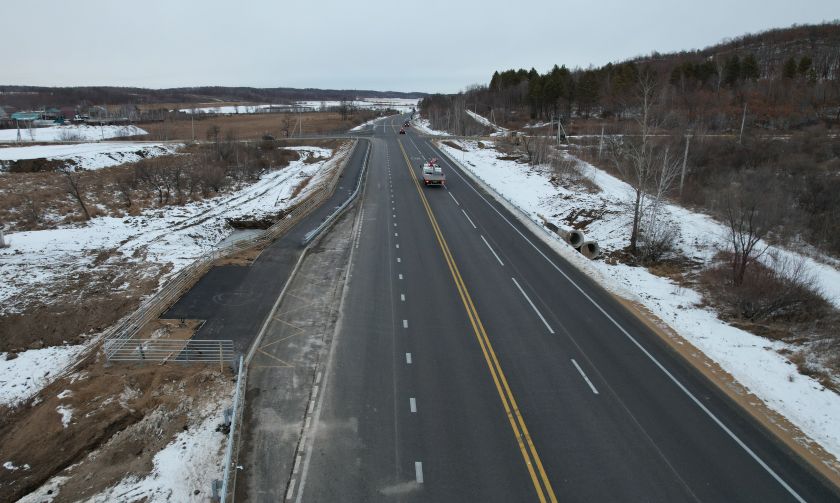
243, 258
121, 417
170, 329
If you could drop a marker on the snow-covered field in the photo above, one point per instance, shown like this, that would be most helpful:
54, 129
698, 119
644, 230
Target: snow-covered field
234, 109
754, 361
36, 261
400, 104
69, 133
90, 156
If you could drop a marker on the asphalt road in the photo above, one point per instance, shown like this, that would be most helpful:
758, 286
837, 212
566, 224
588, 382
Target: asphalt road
472, 363
235, 300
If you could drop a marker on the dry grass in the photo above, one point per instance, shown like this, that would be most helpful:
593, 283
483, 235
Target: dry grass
253, 126
456, 146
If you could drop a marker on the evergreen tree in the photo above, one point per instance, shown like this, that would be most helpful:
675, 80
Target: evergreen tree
749, 68
731, 70
804, 65
790, 68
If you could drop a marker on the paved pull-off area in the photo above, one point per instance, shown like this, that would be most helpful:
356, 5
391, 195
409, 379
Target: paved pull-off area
234, 300
471, 363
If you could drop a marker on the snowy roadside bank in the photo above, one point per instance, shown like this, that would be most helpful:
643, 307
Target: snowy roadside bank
38, 262
90, 156
753, 361
69, 133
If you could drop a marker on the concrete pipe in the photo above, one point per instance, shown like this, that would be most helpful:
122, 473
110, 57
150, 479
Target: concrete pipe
575, 238
590, 249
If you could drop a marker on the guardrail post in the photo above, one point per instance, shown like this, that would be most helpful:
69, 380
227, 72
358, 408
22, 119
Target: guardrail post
232, 432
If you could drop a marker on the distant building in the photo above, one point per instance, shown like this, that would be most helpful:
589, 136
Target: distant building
25, 116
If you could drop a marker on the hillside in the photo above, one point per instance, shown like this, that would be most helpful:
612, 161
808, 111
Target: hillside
27, 97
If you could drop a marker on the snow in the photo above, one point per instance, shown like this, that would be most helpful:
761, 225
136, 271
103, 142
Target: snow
426, 127
12, 467
754, 361
38, 260
69, 133
366, 124
32, 370
403, 105
90, 156
234, 109
481, 120
66, 414
191, 462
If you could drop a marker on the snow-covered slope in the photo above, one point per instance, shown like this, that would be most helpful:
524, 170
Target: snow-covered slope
90, 155
69, 133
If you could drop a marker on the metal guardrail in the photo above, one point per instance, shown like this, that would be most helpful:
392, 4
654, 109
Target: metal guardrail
122, 333
314, 232
240, 389
187, 350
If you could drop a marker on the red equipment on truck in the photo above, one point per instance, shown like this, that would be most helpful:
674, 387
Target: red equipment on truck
433, 174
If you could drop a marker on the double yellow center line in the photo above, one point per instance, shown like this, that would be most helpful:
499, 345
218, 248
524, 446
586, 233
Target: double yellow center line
526, 446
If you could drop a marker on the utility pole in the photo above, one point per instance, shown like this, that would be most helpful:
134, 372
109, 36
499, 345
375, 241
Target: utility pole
743, 120
601, 142
559, 129
685, 161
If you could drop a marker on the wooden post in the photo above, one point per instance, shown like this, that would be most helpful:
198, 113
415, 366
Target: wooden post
221, 359
743, 120
685, 161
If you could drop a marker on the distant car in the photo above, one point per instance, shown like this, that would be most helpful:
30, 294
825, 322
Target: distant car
402, 131
406, 124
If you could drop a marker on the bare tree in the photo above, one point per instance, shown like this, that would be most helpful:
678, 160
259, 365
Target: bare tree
633, 155
74, 188
748, 224
126, 183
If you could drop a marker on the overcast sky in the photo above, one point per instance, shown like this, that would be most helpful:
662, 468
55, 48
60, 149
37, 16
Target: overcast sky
400, 45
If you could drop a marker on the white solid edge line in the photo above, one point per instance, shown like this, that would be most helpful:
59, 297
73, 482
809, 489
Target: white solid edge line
585, 378
644, 351
453, 198
418, 472
532, 305
412, 404
492, 251
291, 490
468, 218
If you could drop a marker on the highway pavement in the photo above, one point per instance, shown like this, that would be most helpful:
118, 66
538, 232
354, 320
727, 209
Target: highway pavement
472, 363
